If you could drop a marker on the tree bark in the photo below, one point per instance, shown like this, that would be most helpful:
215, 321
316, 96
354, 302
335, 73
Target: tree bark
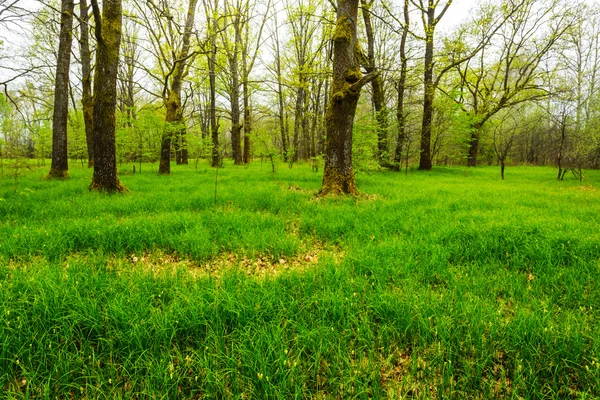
247, 121
400, 114
175, 128
212, 76
378, 97
425, 157
108, 36
60, 161
236, 126
338, 177
474, 145
87, 100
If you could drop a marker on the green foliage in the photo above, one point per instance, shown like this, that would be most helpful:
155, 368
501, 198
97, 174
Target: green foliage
447, 284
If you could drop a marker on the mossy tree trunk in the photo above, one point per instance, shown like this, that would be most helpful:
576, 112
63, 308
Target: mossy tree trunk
338, 177
60, 158
175, 128
108, 36
86, 80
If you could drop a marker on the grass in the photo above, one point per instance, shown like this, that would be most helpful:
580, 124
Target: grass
449, 284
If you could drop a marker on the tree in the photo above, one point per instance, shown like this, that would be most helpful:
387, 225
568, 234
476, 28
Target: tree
86, 79
511, 71
378, 96
348, 80
108, 37
213, 27
430, 21
60, 161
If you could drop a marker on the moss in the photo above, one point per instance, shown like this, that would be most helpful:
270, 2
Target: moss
353, 75
335, 183
115, 187
57, 174
344, 29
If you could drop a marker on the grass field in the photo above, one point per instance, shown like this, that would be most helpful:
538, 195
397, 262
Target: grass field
449, 284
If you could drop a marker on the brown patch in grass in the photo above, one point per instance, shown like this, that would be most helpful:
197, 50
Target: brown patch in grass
260, 267
587, 188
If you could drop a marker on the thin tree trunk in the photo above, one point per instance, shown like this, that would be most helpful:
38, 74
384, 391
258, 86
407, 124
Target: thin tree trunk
87, 100
400, 114
60, 162
212, 76
378, 96
298, 118
425, 157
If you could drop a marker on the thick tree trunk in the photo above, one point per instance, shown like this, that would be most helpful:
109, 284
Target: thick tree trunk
338, 177
60, 161
474, 146
87, 100
108, 35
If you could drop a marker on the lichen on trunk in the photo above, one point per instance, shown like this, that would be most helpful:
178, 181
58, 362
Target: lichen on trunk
348, 80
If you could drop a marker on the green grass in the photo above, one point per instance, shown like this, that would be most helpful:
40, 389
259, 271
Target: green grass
449, 284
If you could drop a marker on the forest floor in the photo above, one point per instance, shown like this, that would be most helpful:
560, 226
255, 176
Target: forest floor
448, 284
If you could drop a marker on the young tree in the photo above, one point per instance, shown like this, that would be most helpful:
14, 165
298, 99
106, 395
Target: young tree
377, 89
60, 160
348, 80
108, 37
86, 79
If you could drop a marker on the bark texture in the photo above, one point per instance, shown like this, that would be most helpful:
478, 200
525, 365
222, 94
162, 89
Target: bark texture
60, 160
175, 131
86, 80
108, 36
338, 177
425, 157
378, 95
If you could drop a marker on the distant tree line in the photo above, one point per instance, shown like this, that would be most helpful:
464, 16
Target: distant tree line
514, 83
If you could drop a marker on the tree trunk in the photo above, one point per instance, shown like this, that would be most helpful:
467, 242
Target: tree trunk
338, 177
87, 100
378, 96
236, 126
212, 74
502, 168
60, 162
425, 158
298, 118
247, 123
474, 146
175, 128
400, 115
108, 35
247, 111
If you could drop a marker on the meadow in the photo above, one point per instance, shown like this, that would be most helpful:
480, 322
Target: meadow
447, 284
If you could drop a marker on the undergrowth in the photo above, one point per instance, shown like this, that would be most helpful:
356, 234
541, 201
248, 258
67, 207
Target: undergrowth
449, 284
